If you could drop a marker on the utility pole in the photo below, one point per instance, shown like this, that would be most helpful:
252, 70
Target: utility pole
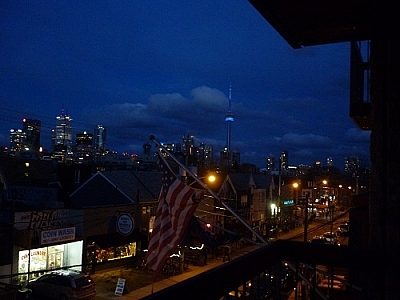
306, 218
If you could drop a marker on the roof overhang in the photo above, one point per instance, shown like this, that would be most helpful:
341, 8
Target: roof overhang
316, 22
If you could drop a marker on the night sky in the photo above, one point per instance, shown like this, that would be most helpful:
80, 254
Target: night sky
164, 68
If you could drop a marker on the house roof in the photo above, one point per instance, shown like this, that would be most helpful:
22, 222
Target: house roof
117, 188
242, 181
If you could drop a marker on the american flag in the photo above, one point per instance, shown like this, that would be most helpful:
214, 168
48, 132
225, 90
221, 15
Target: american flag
177, 204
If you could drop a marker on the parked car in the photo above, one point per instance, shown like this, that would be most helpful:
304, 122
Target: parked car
273, 234
330, 238
343, 230
318, 239
63, 285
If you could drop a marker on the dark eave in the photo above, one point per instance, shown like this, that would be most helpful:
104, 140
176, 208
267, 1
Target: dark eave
316, 22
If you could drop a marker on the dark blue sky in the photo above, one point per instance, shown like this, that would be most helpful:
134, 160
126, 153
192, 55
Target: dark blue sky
163, 68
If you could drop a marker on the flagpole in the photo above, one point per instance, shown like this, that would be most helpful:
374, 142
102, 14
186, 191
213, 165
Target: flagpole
226, 230
152, 138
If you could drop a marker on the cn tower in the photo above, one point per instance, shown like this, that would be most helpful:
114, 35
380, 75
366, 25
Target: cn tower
229, 119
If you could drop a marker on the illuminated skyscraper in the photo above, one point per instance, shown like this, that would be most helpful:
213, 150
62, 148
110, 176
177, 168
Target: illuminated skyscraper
31, 128
62, 136
17, 138
189, 150
84, 146
100, 139
352, 165
205, 154
270, 163
283, 161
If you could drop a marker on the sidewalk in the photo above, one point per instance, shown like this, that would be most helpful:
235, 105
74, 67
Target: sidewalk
106, 280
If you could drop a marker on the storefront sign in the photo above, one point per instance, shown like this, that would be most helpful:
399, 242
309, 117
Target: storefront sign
57, 235
125, 224
119, 290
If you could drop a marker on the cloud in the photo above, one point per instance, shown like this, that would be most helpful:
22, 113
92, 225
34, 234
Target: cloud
305, 153
128, 115
203, 99
306, 140
357, 135
170, 105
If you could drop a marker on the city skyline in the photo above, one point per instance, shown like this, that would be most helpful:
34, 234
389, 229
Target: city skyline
96, 144
166, 70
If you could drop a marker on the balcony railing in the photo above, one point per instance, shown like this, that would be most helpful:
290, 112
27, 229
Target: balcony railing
256, 275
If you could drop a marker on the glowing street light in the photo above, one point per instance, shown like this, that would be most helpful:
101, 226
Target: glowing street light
211, 178
295, 187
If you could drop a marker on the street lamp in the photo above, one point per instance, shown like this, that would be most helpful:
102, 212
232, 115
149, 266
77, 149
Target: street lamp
209, 178
295, 186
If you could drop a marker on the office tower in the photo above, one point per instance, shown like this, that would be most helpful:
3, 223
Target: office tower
270, 163
170, 147
84, 147
329, 162
17, 138
146, 149
100, 139
189, 150
208, 154
31, 128
235, 158
284, 160
62, 137
204, 154
352, 165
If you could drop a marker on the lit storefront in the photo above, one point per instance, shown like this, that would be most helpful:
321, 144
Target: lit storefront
45, 240
34, 262
123, 242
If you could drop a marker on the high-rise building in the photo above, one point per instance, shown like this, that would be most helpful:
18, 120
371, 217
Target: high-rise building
352, 165
31, 128
204, 154
84, 146
270, 163
62, 137
17, 137
189, 150
284, 160
100, 139
146, 149
236, 158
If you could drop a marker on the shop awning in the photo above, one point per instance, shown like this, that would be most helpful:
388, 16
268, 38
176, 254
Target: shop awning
116, 239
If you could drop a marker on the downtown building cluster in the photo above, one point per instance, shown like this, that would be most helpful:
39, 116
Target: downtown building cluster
89, 147
26, 142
